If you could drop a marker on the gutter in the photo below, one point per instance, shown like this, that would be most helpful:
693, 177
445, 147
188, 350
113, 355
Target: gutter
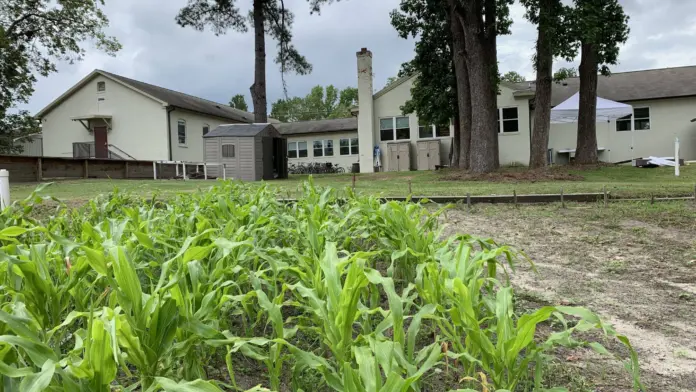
170, 109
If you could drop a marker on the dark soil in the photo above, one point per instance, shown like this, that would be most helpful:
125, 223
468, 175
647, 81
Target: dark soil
521, 175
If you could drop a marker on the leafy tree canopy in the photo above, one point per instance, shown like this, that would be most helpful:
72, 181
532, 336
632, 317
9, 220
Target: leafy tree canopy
564, 73
239, 102
16, 126
320, 103
512, 77
603, 24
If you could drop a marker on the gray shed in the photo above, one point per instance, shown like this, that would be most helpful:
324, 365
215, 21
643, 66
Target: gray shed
250, 152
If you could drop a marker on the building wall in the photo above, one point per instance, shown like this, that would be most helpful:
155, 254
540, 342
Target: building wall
138, 126
514, 147
345, 161
33, 147
193, 150
669, 118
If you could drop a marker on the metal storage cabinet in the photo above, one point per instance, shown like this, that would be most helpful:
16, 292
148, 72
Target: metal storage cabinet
428, 154
399, 156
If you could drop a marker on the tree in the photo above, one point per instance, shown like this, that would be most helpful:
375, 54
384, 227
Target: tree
512, 77
482, 21
320, 103
550, 16
15, 126
267, 16
565, 73
239, 102
601, 26
34, 34
434, 91
391, 80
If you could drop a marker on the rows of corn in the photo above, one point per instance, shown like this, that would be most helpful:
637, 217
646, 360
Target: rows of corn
354, 295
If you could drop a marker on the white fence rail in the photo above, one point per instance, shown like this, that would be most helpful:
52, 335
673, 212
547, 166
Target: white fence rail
189, 163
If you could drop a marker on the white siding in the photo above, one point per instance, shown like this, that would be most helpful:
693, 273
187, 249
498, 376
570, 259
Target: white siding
139, 123
246, 153
344, 161
669, 118
192, 151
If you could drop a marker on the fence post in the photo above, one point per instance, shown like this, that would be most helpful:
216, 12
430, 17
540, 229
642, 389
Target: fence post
353, 182
468, 203
154, 170
4, 188
125, 171
409, 188
39, 169
183, 168
562, 199
514, 197
652, 198
86, 168
224, 171
606, 197
176, 164
205, 170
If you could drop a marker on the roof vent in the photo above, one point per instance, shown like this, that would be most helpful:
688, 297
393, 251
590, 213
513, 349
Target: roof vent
565, 83
218, 106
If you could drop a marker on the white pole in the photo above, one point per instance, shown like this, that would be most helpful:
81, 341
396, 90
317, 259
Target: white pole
154, 170
4, 188
205, 170
183, 167
224, 171
177, 168
676, 156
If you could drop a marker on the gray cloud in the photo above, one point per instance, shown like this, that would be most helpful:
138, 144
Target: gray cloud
158, 51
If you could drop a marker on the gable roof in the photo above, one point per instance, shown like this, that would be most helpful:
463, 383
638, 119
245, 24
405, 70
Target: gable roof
163, 95
318, 126
630, 86
241, 130
398, 82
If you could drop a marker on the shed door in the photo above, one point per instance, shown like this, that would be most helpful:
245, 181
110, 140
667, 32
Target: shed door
433, 154
393, 157
404, 157
422, 156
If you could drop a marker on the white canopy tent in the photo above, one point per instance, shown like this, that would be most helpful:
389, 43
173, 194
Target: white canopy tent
567, 111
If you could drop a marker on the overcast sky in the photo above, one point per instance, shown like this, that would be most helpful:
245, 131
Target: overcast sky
156, 50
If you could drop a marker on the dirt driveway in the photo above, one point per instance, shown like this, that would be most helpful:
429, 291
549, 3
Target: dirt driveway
637, 270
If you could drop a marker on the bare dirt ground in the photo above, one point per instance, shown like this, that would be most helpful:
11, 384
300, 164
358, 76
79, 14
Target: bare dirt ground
638, 272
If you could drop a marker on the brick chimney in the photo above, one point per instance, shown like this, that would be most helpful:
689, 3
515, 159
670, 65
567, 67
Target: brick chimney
366, 111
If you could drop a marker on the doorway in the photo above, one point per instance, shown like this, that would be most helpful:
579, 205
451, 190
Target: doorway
101, 144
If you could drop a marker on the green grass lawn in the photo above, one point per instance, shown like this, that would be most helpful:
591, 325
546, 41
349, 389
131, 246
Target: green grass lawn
621, 181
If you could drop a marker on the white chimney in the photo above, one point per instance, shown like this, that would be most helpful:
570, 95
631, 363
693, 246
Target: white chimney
366, 111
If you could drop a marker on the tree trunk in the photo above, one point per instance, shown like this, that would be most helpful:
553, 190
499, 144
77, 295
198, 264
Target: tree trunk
542, 98
455, 149
491, 49
484, 130
258, 89
586, 149
463, 94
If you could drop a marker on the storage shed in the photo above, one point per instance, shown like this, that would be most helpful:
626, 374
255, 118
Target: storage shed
428, 154
250, 152
398, 156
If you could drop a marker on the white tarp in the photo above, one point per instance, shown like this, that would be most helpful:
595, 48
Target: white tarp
567, 111
660, 161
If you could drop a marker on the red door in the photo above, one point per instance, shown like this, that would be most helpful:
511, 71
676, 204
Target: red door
101, 145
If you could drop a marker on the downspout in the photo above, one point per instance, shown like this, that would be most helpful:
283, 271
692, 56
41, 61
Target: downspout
170, 109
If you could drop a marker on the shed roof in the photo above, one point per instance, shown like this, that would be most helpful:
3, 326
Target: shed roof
318, 126
241, 130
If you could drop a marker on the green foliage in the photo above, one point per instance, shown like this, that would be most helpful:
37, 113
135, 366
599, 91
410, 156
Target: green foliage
133, 294
602, 24
239, 102
34, 34
16, 129
320, 103
564, 73
512, 77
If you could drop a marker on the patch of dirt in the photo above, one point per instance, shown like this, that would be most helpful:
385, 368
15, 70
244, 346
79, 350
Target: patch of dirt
635, 274
507, 175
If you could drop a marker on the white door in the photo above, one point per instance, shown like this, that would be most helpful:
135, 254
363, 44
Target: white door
423, 157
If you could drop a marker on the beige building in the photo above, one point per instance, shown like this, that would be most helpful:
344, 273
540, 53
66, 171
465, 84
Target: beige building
664, 102
110, 116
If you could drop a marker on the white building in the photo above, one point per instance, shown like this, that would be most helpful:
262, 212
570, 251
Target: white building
664, 102
110, 116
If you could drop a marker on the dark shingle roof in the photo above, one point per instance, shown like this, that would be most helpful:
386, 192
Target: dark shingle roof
632, 86
185, 101
238, 130
318, 126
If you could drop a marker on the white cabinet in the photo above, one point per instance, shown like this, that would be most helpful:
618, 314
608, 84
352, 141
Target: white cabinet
428, 154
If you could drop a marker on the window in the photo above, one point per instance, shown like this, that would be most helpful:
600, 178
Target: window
297, 150
206, 129
323, 148
394, 128
181, 132
509, 120
429, 131
641, 122
228, 150
348, 146
101, 87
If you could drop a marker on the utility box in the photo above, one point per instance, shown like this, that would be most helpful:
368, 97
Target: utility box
428, 154
399, 156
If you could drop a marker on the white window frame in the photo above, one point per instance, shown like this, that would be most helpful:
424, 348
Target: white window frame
501, 120
180, 122
297, 149
234, 150
631, 119
99, 85
434, 129
394, 128
324, 143
203, 129
350, 146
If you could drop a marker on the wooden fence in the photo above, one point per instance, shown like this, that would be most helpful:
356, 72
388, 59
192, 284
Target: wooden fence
36, 169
